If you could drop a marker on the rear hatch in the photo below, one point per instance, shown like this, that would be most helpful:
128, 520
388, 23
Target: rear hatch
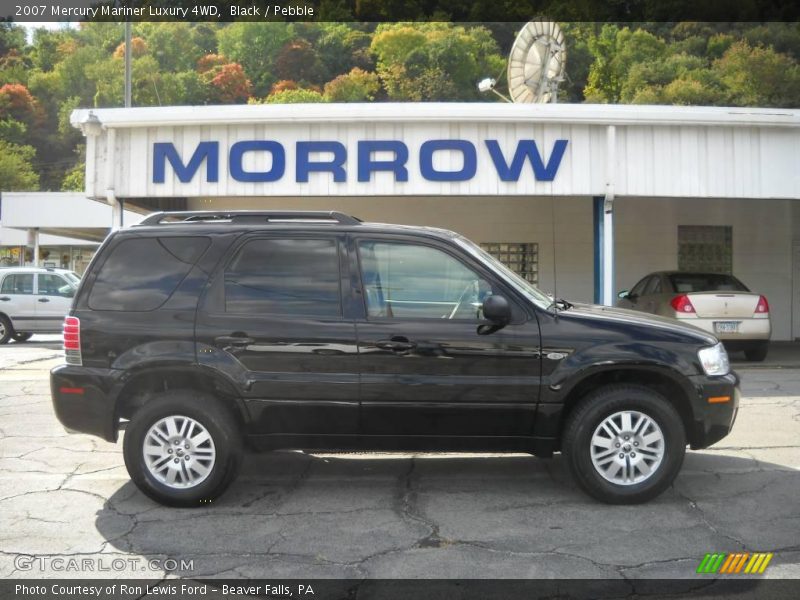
724, 305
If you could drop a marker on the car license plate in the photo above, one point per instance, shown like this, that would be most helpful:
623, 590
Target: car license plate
726, 326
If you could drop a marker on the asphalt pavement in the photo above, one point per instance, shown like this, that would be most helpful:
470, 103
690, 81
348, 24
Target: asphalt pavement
373, 515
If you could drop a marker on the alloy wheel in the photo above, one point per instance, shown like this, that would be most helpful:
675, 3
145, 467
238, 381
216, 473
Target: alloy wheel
627, 447
179, 452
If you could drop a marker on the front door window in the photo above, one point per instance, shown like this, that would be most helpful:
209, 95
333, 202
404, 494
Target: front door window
419, 282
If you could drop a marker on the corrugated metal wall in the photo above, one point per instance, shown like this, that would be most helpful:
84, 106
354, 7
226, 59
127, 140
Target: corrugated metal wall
699, 161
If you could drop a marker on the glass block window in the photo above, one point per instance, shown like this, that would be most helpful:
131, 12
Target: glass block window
705, 248
520, 257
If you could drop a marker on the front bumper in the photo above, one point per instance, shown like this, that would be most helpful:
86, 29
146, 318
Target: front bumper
84, 400
713, 420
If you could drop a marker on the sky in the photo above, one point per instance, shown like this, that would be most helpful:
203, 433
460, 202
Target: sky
31, 27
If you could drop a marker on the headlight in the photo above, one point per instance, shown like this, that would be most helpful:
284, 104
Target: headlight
714, 360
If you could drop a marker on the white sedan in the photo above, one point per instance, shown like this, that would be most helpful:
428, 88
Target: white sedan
715, 302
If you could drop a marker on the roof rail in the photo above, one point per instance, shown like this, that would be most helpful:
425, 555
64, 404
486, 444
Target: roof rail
248, 216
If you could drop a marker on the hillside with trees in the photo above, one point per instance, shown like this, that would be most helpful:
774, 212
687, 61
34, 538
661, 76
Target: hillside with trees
44, 78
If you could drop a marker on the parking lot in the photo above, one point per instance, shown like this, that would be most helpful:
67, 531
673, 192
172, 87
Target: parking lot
390, 515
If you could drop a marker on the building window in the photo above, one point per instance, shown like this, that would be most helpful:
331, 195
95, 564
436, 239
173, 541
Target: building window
520, 257
705, 248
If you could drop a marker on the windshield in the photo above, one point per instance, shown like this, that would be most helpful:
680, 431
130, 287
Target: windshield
72, 276
523, 286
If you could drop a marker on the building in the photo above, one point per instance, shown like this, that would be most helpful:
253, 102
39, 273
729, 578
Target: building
584, 200
53, 229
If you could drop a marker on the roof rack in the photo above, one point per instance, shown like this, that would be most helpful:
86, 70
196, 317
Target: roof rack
248, 216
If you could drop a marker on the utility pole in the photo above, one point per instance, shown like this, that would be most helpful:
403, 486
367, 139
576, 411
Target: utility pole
128, 51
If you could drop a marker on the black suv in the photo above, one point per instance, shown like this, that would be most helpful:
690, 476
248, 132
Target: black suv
200, 333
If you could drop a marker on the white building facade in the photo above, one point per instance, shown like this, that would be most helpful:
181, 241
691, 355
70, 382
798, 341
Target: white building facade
583, 199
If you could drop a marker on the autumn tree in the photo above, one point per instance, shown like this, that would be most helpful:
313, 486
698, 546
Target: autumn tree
355, 86
297, 60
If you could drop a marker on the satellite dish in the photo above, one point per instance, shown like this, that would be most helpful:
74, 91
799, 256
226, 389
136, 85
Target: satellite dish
536, 63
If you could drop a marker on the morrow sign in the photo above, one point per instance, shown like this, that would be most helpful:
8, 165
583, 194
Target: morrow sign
372, 156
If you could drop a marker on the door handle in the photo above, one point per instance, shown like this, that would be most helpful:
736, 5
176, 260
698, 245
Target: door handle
44, 299
396, 344
234, 340
5, 299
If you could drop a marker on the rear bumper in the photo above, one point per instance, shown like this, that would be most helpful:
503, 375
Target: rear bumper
713, 420
83, 400
749, 329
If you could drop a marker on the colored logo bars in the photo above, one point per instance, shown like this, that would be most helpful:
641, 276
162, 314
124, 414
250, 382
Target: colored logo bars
738, 562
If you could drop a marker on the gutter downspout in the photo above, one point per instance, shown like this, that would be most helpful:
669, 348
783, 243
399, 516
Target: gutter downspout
111, 198
608, 217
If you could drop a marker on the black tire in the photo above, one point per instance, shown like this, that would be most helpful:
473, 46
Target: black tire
21, 337
6, 329
587, 416
207, 411
757, 352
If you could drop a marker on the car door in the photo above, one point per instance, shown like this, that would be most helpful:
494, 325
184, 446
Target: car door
54, 295
273, 320
633, 299
425, 368
18, 302
652, 293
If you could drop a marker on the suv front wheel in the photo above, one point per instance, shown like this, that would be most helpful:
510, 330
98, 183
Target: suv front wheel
624, 444
182, 448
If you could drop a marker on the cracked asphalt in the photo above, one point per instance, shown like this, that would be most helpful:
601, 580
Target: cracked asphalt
392, 515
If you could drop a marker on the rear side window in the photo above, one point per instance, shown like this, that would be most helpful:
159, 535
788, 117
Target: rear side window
284, 276
18, 283
141, 274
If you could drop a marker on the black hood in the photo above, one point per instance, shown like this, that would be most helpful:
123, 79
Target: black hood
633, 317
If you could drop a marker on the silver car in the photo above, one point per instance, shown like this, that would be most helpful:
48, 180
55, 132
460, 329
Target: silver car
34, 300
715, 302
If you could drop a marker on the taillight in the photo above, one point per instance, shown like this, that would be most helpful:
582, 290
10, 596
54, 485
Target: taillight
762, 308
72, 340
682, 304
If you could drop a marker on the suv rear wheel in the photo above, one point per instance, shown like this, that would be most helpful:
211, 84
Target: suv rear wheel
182, 448
624, 444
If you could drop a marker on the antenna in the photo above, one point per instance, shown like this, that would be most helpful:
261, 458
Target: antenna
536, 63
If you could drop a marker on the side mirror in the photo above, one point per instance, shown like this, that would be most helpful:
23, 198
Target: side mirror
497, 310
623, 294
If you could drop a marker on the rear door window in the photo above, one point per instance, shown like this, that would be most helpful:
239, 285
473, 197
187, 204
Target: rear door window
141, 274
285, 277
17, 283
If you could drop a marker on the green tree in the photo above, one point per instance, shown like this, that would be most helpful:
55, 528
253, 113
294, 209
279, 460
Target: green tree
74, 179
255, 46
12, 37
616, 51
16, 169
434, 61
758, 76
299, 96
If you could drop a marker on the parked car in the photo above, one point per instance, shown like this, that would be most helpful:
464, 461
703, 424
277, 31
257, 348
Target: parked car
34, 300
715, 302
200, 333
